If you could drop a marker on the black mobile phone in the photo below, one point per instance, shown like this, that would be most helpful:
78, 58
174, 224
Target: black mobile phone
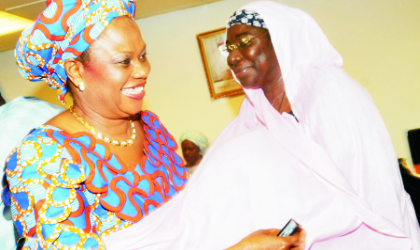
290, 228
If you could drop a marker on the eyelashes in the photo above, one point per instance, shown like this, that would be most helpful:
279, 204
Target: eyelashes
127, 61
142, 58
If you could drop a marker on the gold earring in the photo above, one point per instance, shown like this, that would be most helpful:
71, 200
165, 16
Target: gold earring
81, 86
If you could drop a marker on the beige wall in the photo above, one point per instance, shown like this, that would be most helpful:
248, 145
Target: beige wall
379, 41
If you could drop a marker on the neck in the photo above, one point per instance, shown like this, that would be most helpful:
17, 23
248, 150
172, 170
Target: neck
116, 128
276, 95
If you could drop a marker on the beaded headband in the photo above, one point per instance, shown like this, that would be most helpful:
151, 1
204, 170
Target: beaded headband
247, 17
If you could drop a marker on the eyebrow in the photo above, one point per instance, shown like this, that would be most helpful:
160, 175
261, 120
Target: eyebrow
239, 35
130, 52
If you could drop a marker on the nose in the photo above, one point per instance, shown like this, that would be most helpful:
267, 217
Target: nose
234, 57
141, 69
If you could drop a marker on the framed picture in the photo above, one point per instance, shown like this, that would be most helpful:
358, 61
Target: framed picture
219, 76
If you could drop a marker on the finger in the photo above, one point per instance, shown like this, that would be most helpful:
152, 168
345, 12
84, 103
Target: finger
271, 231
300, 244
282, 243
302, 236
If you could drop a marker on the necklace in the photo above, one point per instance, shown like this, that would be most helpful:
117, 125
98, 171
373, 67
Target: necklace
100, 136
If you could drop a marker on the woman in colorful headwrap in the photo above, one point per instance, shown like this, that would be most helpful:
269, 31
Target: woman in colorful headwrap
194, 145
329, 164
103, 164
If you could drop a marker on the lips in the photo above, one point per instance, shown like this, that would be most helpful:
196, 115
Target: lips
135, 92
241, 71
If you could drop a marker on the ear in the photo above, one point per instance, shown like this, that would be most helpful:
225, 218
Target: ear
74, 69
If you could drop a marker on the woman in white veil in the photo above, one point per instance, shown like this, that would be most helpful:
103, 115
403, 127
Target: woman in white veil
329, 164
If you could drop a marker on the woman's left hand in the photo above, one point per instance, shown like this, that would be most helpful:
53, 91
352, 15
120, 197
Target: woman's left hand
268, 240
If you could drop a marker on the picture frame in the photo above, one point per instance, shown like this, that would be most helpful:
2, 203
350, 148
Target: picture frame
219, 77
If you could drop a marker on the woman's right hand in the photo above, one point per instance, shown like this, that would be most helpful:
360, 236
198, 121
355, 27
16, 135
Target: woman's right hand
268, 240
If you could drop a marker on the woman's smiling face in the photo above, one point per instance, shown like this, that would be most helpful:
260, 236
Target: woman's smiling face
255, 63
116, 71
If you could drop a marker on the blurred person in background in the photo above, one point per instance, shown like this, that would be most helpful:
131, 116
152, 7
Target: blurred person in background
194, 145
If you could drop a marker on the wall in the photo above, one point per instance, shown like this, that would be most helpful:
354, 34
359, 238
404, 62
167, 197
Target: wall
379, 41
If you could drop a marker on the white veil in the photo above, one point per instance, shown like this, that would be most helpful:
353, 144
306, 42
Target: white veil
337, 113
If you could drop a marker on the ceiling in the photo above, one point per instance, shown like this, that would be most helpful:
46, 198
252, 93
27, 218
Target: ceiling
32, 8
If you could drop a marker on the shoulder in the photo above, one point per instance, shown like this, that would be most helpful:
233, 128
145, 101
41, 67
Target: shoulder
66, 122
41, 134
150, 119
155, 130
36, 144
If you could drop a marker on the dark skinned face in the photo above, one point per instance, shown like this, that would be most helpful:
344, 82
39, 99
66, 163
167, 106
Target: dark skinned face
191, 152
117, 70
255, 64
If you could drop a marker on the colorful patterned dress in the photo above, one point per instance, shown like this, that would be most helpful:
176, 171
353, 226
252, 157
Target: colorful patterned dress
68, 190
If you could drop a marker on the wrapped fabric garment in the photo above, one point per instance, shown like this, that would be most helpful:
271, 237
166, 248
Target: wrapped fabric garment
69, 190
334, 171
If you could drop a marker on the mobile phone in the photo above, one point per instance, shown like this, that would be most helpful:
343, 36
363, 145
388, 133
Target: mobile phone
290, 228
